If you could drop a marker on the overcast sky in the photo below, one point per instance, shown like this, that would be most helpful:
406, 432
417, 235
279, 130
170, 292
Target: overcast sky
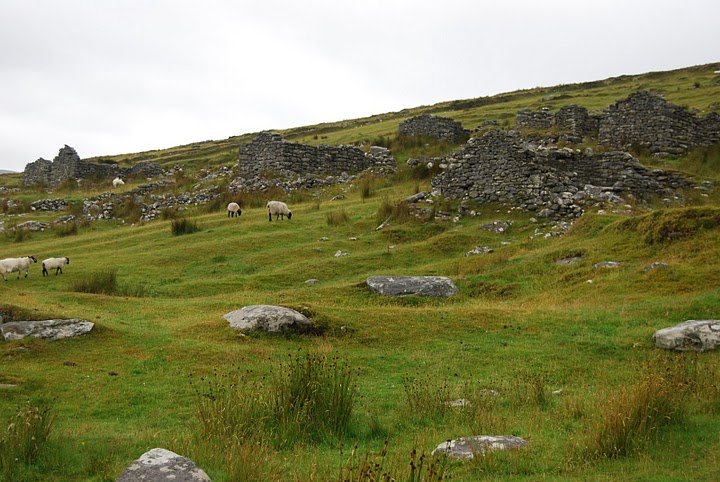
110, 77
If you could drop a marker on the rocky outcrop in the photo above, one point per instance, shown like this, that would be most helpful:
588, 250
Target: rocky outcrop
692, 335
439, 286
47, 329
646, 120
269, 318
441, 128
469, 447
160, 465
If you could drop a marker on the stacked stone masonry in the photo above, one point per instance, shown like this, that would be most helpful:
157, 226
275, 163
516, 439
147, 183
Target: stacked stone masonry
427, 125
502, 167
68, 165
270, 153
574, 121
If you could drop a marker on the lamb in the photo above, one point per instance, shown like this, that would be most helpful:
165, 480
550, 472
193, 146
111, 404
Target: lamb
279, 209
234, 209
10, 265
54, 263
118, 182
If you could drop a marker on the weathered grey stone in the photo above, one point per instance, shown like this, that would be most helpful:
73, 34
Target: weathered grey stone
568, 260
691, 335
479, 250
47, 329
497, 226
268, 318
607, 265
655, 265
311, 281
412, 285
160, 465
459, 403
427, 125
468, 447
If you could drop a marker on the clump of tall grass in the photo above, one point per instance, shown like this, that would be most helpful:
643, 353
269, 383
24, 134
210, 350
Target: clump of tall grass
22, 440
422, 468
337, 218
637, 412
181, 226
398, 212
426, 398
105, 282
532, 389
309, 399
69, 229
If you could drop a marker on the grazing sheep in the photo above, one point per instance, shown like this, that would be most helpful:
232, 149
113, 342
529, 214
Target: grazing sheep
118, 182
54, 263
234, 209
10, 265
279, 209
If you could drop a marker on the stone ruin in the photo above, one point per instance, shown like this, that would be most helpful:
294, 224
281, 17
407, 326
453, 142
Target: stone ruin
68, 165
503, 167
647, 120
442, 128
270, 153
643, 120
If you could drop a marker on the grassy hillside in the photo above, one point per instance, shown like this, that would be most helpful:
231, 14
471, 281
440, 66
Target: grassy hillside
558, 354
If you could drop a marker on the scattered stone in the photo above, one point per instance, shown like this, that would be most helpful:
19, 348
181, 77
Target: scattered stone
497, 226
47, 329
607, 265
312, 281
488, 392
479, 250
416, 198
272, 319
69, 363
557, 392
49, 205
691, 335
459, 403
412, 285
352, 238
324, 238
339, 253
655, 265
158, 465
468, 447
568, 260
32, 226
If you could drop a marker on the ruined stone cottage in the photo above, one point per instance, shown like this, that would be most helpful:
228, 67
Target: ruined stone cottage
426, 125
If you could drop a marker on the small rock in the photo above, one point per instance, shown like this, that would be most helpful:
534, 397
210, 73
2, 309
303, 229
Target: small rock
113, 374
607, 265
459, 403
353, 238
158, 465
479, 250
468, 447
69, 363
569, 260
324, 238
339, 253
654, 266
311, 281
691, 335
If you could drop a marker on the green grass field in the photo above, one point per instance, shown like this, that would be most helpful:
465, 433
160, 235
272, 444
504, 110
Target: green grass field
568, 349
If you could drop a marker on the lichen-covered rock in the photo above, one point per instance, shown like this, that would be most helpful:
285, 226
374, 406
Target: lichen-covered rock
268, 318
607, 265
468, 447
47, 329
439, 286
161, 465
691, 335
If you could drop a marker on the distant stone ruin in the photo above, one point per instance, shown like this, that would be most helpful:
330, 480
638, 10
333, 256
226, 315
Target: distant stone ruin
68, 165
442, 128
270, 153
503, 167
649, 121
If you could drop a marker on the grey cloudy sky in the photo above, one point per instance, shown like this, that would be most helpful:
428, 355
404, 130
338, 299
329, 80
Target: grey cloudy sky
110, 77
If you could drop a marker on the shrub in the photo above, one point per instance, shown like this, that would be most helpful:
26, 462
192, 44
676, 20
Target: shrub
336, 218
182, 226
24, 437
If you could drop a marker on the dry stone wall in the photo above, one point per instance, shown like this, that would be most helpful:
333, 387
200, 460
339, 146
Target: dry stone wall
270, 153
427, 125
573, 121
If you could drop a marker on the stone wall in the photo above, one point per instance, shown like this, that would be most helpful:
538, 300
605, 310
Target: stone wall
573, 121
502, 167
428, 125
68, 165
649, 121
270, 153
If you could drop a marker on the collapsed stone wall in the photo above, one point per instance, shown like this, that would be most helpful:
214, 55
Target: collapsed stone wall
502, 167
442, 128
573, 121
647, 120
68, 165
269, 152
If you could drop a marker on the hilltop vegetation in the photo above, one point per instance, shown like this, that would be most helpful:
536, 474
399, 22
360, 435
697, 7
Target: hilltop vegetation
559, 354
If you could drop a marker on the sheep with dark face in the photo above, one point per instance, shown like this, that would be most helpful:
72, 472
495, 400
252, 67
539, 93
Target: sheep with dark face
54, 263
10, 265
233, 210
279, 209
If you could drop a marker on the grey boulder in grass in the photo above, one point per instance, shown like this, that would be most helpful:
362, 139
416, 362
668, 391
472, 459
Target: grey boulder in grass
47, 329
268, 318
439, 286
160, 465
468, 447
691, 335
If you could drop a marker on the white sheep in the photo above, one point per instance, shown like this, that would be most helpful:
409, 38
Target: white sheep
54, 263
234, 209
118, 182
10, 265
279, 209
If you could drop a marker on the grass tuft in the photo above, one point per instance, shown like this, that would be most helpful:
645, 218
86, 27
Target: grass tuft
337, 218
181, 226
24, 437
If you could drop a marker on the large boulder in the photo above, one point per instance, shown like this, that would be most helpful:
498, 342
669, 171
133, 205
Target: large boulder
691, 335
47, 329
412, 285
468, 447
268, 318
159, 465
